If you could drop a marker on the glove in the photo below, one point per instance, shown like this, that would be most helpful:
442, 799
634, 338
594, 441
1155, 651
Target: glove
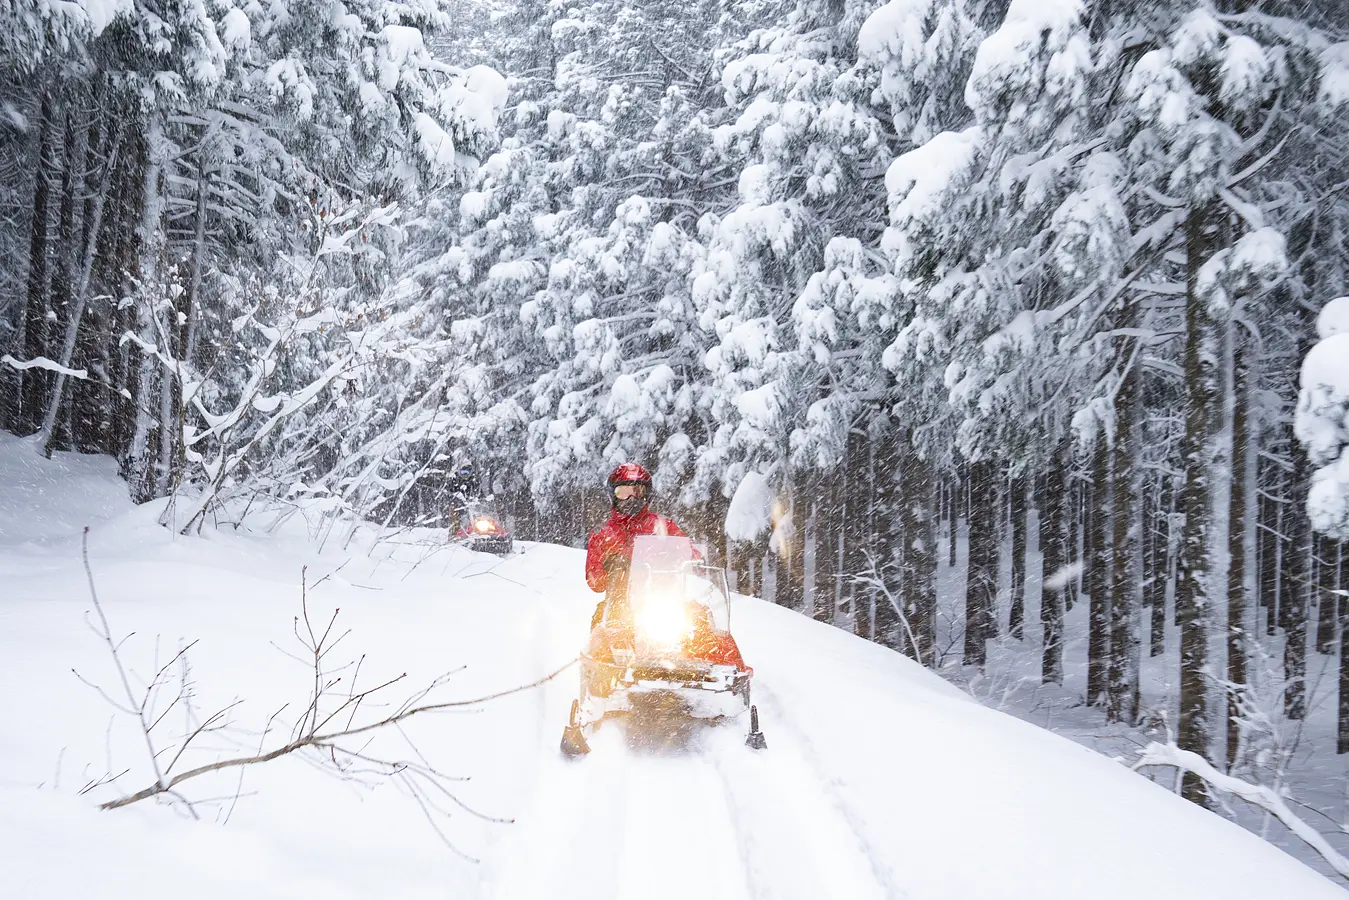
615, 562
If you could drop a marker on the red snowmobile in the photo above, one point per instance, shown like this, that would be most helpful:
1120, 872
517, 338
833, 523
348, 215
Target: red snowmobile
479, 529
664, 643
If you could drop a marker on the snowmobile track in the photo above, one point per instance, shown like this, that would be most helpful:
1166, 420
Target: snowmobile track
836, 832
680, 837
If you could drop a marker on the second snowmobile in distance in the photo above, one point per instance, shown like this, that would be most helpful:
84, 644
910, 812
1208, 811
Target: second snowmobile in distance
664, 642
480, 530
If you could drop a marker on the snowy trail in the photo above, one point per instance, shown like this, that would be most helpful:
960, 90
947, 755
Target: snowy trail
804, 835
694, 813
680, 838
621, 823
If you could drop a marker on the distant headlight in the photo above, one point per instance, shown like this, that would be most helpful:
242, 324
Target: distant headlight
484, 526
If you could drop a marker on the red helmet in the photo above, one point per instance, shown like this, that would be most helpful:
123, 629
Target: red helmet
633, 499
629, 473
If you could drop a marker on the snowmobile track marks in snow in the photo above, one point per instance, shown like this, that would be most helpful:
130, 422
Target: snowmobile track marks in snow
562, 846
834, 837
679, 837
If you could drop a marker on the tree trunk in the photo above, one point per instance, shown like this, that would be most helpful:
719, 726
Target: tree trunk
1053, 515
1098, 556
1201, 360
1238, 594
918, 530
111, 406
1342, 731
1270, 533
955, 492
1074, 529
1016, 616
126, 357
36, 383
1327, 609
91, 403
1295, 565
80, 299
191, 300
1157, 522
748, 562
856, 530
1127, 479
887, 470
142, 477
1295, 591
981, 593
824, 595
67, 244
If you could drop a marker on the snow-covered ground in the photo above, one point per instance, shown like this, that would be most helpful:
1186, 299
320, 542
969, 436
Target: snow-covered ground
880, 779
1302, 761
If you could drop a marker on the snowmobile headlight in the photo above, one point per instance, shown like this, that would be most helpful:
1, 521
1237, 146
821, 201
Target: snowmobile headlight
664, 624
483, 526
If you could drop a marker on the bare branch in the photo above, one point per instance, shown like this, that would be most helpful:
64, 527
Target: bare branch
117, 660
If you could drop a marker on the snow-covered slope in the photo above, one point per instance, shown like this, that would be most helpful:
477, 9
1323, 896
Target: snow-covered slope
880, 780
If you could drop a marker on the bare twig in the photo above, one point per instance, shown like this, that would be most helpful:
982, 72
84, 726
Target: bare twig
117, 660
1259, 795
324, 740
328, 730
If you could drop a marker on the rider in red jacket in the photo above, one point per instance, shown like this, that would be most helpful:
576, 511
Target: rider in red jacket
609, 551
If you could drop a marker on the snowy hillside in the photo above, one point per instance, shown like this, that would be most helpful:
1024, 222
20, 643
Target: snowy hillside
880, 780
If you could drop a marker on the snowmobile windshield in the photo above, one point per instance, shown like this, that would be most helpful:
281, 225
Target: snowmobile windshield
481, 518
671, 592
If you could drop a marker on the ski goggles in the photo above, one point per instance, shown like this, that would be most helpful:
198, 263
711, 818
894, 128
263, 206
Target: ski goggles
629, 491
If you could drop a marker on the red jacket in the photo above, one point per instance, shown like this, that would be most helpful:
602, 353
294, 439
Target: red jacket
616, 538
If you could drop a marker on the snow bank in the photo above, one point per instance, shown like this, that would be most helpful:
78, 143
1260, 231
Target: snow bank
950, 799
48, 499
414, 606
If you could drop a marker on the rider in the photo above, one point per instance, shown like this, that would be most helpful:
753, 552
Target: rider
463, 489
609, 551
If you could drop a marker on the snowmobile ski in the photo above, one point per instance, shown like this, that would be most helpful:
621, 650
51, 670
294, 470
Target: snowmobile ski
573, 740
755, 740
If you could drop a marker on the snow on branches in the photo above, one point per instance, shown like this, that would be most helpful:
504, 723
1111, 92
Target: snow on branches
1322, 421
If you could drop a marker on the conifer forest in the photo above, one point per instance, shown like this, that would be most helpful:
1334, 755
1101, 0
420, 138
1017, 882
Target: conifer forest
1011, 335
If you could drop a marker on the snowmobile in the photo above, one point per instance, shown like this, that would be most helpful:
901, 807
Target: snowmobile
664, 643
478, 528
